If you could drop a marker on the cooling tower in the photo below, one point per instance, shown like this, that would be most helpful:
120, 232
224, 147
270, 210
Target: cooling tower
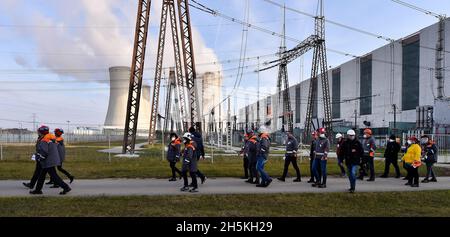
118, 96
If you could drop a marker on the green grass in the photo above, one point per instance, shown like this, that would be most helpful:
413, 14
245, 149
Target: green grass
85, 162
392, 204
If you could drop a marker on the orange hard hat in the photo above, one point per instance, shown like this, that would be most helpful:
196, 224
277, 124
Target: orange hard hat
368, 131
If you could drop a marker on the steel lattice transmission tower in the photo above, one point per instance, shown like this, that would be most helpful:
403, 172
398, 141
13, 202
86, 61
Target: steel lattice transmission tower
319, 65
187, 62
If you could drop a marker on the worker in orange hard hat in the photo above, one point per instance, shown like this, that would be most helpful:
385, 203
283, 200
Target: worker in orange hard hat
314, 136
62, 155
367, 161
429, 153
321, 150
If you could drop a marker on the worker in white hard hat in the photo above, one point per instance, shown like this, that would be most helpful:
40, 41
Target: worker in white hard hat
189, 163
352, 151
340, 158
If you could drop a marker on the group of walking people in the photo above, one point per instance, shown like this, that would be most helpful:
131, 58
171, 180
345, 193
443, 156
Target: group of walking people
355, 158
50, 154
192, 152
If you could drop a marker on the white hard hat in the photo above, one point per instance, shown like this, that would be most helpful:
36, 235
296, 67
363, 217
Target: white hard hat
188, 135
339, 135
351, 132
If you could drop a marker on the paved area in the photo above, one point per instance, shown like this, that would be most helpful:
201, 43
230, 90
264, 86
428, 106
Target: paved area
118, 149
152, 187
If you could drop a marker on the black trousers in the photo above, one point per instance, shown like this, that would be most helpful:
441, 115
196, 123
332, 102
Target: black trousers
53, 175
37, 172
199, 173
253, 171
413, 175
430, 170
367, 165
62, 170
246, 166
174, 169
287, 162
387, 164
319, 170
193, 177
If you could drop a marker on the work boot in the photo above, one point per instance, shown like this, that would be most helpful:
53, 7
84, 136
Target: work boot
311, 181
194, 190
405, 178
315, 184
71, 178
383, 176
49, 182
297, 180
351, 190
65, 191
203, 179
371, 180
434, 180
250, 181
268, 182
191, 185
361, 177
408, 183
261, 185
244, 177
184, 189
281, 179
256, 181
425, 181
28, 185
172, 179
36, 192
322, 186
415, 185
397, 177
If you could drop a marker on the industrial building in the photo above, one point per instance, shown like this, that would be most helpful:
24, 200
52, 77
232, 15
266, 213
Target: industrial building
396, 86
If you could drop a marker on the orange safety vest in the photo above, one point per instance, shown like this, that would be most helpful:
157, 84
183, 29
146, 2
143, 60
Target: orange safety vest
252, 139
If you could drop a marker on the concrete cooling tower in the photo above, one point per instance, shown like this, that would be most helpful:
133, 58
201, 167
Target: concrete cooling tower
118, 97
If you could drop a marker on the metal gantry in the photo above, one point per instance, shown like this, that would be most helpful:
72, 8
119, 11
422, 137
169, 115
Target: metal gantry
137, 69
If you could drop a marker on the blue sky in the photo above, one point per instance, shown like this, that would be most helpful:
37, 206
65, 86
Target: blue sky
55, 54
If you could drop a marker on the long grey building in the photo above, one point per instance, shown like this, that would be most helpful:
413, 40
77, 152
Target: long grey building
400, 77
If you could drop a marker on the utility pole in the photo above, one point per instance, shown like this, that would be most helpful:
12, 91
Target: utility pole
356, 119
34, 122
394, 107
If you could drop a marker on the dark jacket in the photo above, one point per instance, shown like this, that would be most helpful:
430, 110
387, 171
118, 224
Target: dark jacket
339, 151
352, 152
199, 149
291, 146
313, 148
322, 148
61, 148
252, 149
47, 152
392, 150
189, 159
263, 146
430, 153
174, 150
244, 149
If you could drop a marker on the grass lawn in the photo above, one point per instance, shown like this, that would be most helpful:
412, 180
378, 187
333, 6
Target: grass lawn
393, 204
85, 162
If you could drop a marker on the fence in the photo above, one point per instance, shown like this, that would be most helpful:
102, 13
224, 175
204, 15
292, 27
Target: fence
7, 138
